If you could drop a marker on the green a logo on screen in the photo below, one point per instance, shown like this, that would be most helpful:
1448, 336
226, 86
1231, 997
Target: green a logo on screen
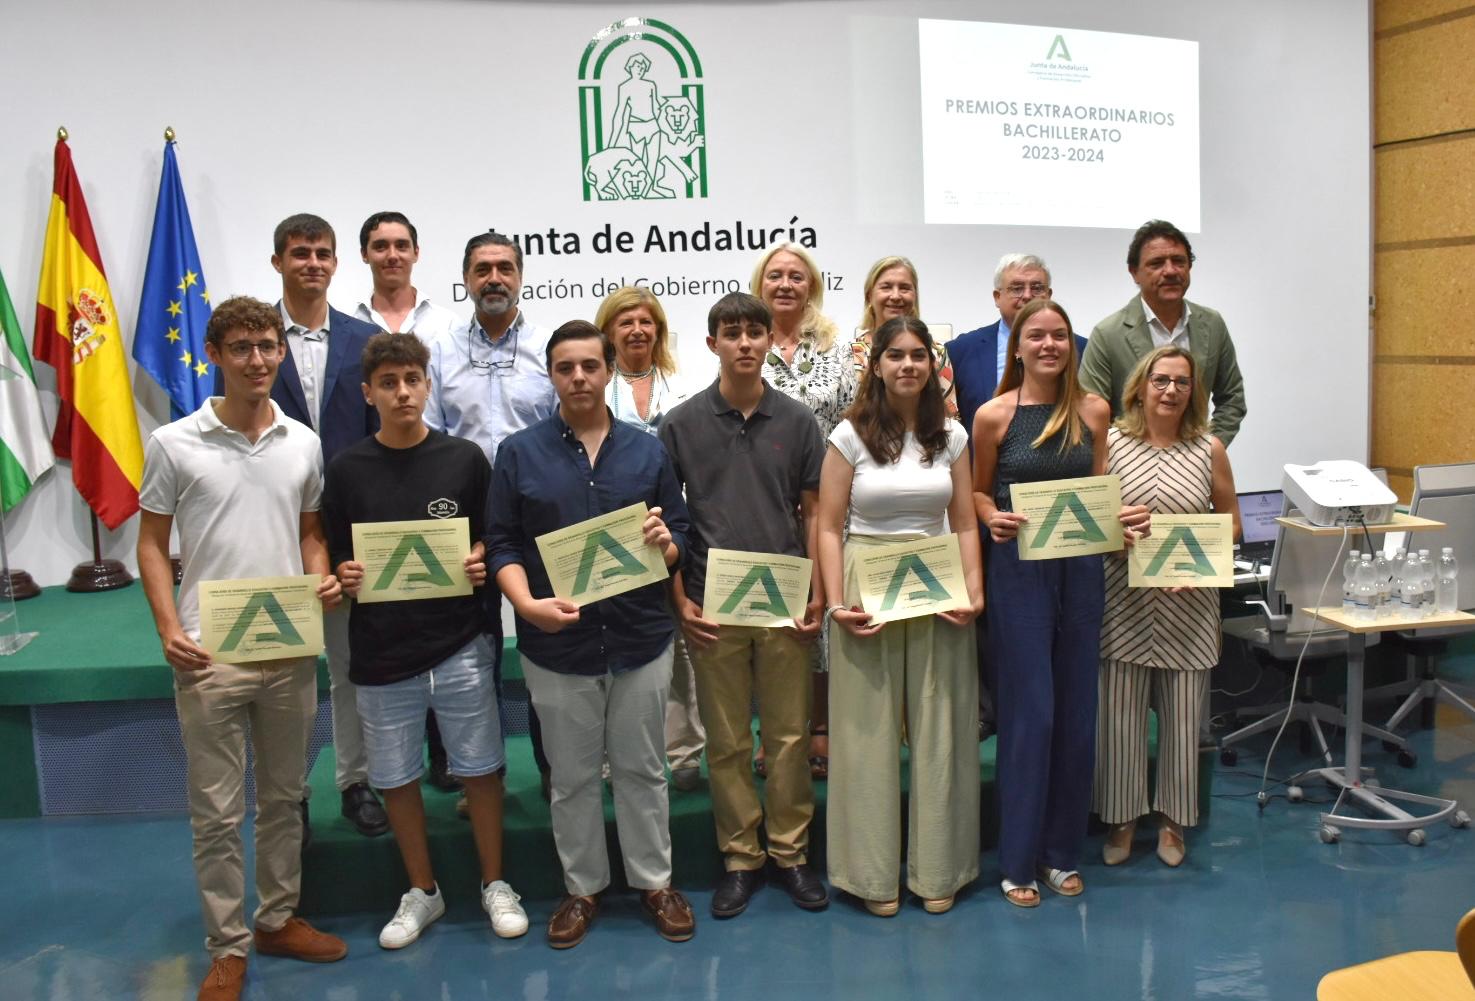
281, 632
769, 601
1198, 562
1058, 49
908, 567
1068, 502
642, 115
432, 572
625, 565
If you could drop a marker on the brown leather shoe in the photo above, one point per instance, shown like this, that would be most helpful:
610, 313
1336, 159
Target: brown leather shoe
224, 981
671, 912
299, 940
570, 923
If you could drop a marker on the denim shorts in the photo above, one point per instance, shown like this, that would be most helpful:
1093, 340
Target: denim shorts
460, 690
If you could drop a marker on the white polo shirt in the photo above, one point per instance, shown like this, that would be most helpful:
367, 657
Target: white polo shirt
426, 321
236, 505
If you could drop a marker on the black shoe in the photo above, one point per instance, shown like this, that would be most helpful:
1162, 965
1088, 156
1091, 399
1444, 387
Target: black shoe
306, 829
805, 888
731, 897
362, 809
440, 777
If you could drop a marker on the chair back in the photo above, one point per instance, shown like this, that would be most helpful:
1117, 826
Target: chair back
1447, 493
1465, 944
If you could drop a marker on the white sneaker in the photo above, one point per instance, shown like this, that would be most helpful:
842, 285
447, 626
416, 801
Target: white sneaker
417, 909
509, 920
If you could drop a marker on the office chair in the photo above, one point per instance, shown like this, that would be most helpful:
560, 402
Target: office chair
1409, 976
1443, 493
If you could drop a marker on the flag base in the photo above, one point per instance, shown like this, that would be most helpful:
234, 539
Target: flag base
18, 585
99, 575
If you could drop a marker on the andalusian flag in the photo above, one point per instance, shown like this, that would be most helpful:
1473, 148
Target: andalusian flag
25, 452
77, 333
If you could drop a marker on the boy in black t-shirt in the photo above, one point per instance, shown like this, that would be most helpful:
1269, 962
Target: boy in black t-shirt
409, 656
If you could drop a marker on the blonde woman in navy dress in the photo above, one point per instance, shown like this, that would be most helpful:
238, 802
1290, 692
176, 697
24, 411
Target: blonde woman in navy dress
1044, 616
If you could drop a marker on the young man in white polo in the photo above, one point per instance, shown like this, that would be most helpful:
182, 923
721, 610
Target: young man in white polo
242, 483
408, 657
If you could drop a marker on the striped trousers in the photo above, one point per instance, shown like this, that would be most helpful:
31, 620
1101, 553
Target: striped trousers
1126, 691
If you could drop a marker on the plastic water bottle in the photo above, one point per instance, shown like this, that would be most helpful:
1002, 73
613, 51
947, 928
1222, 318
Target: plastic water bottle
1383, 577
1447, 590
1410, 586
1428, 574
1349, 581
1366, 591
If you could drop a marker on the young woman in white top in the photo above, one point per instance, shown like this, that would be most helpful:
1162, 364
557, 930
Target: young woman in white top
899, 467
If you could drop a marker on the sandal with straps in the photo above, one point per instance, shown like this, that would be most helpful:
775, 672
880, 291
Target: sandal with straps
1056, 879
1010, 888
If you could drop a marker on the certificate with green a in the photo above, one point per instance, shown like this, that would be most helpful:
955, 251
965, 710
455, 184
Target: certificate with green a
755, 589
261, 618
1068, 517
1184, 550
909, 579
602, 557
410, 560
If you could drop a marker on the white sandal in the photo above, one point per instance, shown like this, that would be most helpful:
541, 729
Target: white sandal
1009, 887
1055, 880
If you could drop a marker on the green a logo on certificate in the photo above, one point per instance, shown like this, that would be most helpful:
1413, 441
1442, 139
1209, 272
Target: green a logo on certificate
626, 565
764, 590
912, 566
433, 572
412, 560
262, 601
1075, 517
1198, 564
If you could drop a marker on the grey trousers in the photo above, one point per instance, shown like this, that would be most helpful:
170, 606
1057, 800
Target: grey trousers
622, 716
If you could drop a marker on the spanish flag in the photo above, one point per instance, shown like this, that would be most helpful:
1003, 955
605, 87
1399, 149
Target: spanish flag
77, 333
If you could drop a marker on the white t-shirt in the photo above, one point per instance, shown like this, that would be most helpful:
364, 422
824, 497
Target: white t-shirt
906, 497
236, 505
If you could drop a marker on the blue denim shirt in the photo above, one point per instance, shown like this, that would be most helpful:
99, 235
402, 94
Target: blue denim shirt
542, 481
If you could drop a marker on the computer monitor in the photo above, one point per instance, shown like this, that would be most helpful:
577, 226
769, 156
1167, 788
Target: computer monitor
1257, 513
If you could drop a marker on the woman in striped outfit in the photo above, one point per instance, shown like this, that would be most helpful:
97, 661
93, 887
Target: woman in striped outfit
1158, 644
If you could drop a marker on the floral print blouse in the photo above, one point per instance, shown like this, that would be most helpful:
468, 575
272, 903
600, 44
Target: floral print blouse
824, 381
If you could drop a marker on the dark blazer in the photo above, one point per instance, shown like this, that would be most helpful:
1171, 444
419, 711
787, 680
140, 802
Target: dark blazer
975, 357
346, 418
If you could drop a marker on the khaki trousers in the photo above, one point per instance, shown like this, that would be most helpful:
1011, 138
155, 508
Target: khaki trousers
685, 738
921, 672
350, 759
279, 700
773, 665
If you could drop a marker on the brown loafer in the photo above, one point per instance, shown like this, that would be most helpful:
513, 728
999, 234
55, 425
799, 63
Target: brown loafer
671, 913
299, 940
224, 981
570, 923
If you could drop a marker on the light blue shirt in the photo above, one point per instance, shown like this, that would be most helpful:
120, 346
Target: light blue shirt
1002, 362
485, 390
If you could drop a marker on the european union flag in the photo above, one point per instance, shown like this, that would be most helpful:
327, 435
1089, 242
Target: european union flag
169, 341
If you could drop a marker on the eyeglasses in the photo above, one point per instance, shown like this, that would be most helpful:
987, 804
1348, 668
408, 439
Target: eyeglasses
241, 350
504, 367
1162, 382
1017, 289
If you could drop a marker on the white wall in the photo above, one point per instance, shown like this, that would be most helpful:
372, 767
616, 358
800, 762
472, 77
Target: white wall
465, 116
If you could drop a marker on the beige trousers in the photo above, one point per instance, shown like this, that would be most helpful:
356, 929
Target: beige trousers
773, 665
279, 700
921, 673
1177, 697
685, 738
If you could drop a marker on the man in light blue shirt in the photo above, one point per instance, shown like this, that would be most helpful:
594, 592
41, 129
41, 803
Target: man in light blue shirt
487, 375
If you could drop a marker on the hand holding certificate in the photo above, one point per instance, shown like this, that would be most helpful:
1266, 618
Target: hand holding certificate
911, 579
261, 618
411, 560
1184, 550
602, 557
1076, 517
755, 589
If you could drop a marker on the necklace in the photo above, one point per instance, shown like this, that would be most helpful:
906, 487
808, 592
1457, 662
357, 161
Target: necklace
646, 421
635, 376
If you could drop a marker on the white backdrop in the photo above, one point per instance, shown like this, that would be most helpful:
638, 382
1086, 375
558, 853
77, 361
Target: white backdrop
466, 115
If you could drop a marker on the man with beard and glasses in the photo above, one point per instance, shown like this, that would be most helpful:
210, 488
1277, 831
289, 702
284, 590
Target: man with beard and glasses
1159, 260
488, 379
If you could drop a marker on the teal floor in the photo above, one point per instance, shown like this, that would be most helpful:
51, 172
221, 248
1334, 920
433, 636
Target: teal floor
106, 908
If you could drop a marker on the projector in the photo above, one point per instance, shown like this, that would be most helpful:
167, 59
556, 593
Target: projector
1339, 492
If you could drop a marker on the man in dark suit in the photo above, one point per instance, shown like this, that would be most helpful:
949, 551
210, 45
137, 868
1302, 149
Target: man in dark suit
1159, 260
319, 384
979, 356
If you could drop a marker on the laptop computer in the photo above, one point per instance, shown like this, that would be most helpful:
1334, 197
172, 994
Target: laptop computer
1257, 513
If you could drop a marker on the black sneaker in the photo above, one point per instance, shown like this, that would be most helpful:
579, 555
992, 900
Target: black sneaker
733, 892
